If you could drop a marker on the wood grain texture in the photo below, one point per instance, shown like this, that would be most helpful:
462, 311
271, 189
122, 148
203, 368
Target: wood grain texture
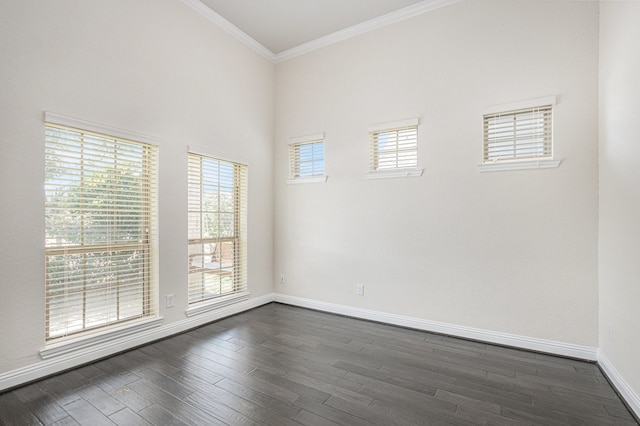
281, 365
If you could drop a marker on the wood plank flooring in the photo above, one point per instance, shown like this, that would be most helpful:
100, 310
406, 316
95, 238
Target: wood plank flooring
282, 365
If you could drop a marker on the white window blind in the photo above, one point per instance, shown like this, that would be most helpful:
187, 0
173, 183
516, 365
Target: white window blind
518, 134
217, 228
395, 147
100, 225
306, 159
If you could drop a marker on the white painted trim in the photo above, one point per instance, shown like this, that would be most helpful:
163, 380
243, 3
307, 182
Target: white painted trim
85, 355
231, 29
380, 127
110, 335
518, 105
316, 137
630, 397
501, 166
314, 179
213, 304
191, 149
62, 120
370, 25
524, 342
396, 173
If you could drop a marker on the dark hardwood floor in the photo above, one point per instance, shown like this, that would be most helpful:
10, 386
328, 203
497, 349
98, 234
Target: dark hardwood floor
281, 365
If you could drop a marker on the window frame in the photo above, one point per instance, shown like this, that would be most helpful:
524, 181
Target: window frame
295, 144
238, 240
87, 134
515, 109
375, 171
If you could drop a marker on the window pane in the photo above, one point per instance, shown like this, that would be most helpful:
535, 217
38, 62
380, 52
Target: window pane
307, 159
394, 148
518, 134
216, 228
98, 221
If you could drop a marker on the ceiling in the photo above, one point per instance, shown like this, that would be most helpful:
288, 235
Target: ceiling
281, 26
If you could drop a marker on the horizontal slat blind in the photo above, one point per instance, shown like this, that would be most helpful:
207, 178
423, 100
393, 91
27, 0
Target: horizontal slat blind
306, 159
217, 228
395, 148
100, 222
521, 134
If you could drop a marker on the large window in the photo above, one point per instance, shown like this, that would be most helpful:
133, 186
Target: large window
217, 228
100, 210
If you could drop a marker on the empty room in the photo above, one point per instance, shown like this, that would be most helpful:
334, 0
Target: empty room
313, 212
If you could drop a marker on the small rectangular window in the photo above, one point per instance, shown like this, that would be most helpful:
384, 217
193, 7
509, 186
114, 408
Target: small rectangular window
217, 209
393, 149
306, 159
518, 134
100, 225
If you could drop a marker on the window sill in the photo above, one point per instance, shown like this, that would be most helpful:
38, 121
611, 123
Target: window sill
219, 302
314, 179
93, 339
518, 165
396, 173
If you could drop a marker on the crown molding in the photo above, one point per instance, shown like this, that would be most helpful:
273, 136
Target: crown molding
227, 26
370, 25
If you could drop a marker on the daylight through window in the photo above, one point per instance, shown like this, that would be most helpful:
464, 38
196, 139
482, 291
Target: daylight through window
394, 148
306, 159
100, 220
217, 228
520, 134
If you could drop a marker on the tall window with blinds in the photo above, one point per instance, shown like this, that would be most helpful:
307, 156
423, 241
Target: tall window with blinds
100, 222
518, 134
395, 147
217, 228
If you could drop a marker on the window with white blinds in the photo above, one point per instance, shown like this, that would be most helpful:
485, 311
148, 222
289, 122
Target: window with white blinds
217, 228
100, 230
306, 159
394, 146
518, 134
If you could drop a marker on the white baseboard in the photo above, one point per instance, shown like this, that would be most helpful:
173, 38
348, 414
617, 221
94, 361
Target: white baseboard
523, 342
630, 397
88, 354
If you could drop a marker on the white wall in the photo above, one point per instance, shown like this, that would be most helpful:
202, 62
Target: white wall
512, 252
149, 66
619, 254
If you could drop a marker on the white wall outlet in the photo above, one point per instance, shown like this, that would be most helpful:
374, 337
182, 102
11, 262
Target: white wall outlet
360, 289
169, 300
282, 279
610, 333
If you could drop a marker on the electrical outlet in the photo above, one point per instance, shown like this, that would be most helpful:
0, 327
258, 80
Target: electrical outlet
169, 300
360, 289
610, 333
282, 279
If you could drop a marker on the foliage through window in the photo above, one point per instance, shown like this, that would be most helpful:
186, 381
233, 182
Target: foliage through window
99, 230
518, 134
217, 228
